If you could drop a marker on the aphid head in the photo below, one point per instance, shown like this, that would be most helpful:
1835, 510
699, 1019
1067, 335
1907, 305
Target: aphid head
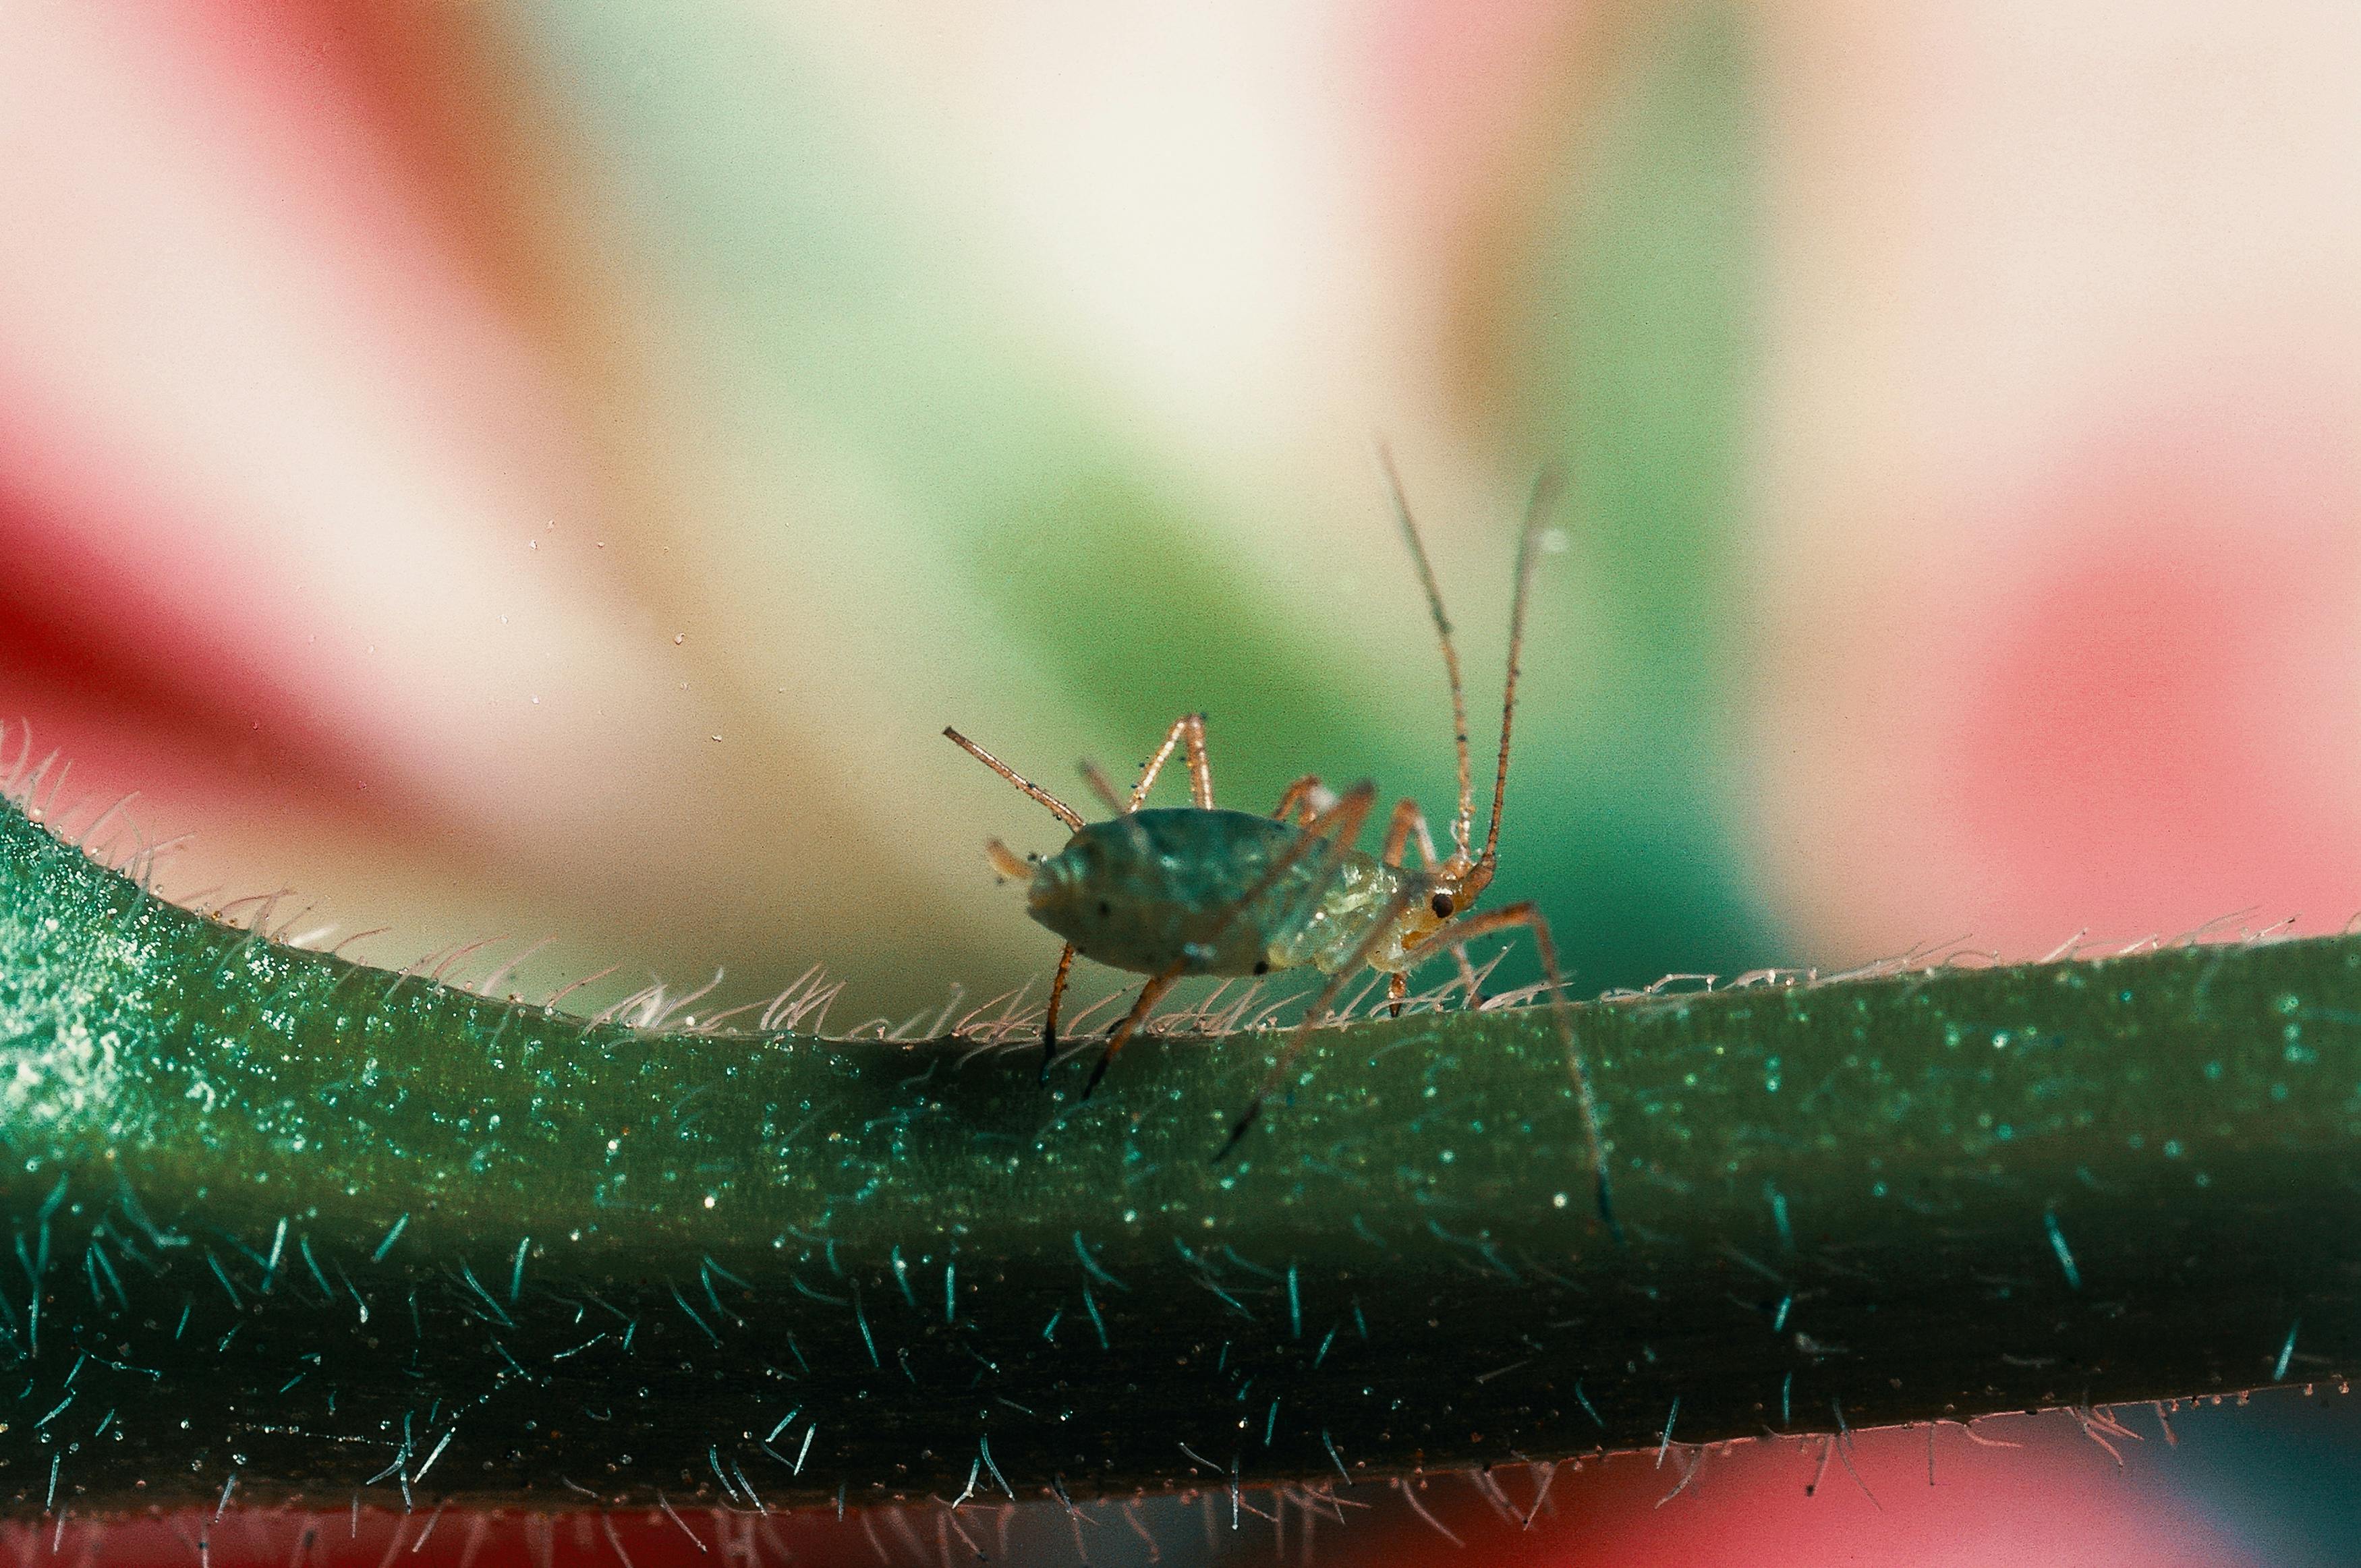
1443, 902
1456, 883
1063, 888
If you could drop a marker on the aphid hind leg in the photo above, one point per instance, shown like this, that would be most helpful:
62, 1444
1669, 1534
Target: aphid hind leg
1188, 731
1149, 996
1523, 914
1056, 1001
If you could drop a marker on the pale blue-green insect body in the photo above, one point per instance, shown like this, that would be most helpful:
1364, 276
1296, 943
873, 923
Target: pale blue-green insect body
1153, 889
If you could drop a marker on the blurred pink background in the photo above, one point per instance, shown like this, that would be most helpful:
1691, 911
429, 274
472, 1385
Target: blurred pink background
531, 473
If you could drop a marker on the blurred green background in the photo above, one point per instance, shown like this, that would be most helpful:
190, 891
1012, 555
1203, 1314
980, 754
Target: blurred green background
533, 481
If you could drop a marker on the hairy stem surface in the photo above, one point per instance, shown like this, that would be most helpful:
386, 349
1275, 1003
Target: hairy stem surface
329, 1229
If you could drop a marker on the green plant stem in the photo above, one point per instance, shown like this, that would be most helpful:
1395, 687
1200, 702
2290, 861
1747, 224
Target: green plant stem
331, 1229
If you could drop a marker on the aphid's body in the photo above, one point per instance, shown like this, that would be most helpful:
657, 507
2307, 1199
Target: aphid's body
1172, 894
1150, 889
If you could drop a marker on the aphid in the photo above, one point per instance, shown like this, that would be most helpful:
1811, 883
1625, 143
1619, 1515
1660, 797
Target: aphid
1203, 891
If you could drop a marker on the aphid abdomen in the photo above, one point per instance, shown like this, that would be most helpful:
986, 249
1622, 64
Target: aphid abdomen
1148, 890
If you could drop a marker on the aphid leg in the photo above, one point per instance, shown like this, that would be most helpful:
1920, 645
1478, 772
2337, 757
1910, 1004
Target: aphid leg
1149, 996
1057, 1000
1100, 786
1406, 819
1059, 809
1298, 800
1201, 764
1561, 1014
1189, 730
1397, 991
1401, 899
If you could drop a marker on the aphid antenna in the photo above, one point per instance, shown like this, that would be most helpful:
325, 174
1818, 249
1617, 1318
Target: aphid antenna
1462, 826
1057, 808
1546, 487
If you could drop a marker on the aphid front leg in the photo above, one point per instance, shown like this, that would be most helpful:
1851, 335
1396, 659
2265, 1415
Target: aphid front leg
1406, 819
1149, 996
1525, 915
1050, 1020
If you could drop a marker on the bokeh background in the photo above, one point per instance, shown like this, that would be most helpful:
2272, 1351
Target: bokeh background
549, 472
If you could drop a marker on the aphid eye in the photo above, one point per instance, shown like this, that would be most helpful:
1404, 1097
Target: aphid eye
1441, 906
